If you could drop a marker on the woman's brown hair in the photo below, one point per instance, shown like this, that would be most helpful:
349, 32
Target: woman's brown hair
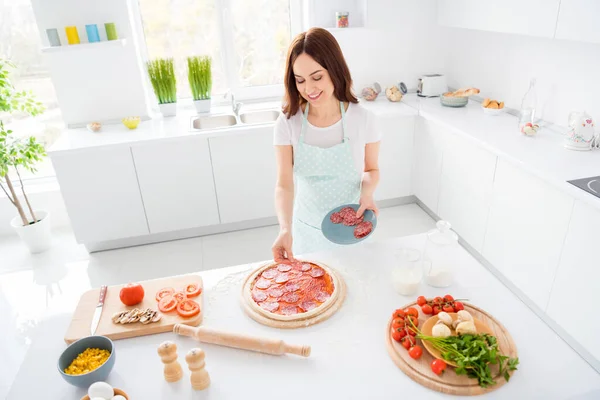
324, 49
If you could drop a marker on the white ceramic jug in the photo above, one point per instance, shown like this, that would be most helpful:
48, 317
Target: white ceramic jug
581, 131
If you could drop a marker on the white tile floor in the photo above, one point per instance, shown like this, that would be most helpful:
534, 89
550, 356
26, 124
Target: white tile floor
31, 284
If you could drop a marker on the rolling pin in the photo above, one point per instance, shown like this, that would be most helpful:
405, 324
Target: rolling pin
241, 341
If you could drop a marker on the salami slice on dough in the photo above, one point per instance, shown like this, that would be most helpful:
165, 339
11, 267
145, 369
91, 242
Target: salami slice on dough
291, 287
282, 278
289, 310
317, 272
322, 297
269, 273
308, 305
284, 267
263, 283
336, 218
259, 295
290, 297
363, 229
275, 292
269, 305
305, 267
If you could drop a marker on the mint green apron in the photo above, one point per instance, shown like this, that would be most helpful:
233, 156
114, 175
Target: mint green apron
326, 178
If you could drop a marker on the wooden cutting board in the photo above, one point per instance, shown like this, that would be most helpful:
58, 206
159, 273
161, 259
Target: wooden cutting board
82, 317
449, 383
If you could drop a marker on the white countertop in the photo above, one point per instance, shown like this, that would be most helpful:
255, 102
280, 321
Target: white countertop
349, 359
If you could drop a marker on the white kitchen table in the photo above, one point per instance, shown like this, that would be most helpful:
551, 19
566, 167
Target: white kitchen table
349, 359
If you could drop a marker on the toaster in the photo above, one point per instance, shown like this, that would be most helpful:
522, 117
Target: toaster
432, 85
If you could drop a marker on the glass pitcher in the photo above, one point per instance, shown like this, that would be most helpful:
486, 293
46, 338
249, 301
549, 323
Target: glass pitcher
439, 255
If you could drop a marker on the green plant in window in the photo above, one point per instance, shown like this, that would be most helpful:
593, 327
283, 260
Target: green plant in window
162, 77
200, 76
17, 153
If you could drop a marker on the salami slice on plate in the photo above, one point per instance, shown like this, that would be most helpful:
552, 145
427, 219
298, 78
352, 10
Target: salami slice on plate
259, 295
316, 272
269, 305
269, 273
351, 220
263, 283
347, 210
363, 229
336, 218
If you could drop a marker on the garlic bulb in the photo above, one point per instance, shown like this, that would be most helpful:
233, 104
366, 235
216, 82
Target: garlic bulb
445, 318
466, 328
440, 330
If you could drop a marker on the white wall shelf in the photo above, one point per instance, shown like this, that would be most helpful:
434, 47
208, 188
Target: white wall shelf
85, 46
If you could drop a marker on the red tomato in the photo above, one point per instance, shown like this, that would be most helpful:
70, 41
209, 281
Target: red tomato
415, 352
458, 306
399, 313
180, 296
438, 300
193, 290
411, 332
398, 334
448, 298
188, 308
436, 310
438, 366
412, 311
448, 308
421, 300
131, 294
167, 303
426, 308
407, 342
414, 320
398, 323
163, 292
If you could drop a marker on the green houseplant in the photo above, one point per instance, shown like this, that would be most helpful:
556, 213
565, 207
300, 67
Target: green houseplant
18, 154
200, 79
162, 77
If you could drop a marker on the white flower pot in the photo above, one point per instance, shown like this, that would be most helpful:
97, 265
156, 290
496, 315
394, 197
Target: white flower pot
37, 237
168, 110
202, 106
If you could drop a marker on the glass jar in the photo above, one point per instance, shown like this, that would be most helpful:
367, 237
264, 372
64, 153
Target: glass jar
439, 254
407, 272
341, 18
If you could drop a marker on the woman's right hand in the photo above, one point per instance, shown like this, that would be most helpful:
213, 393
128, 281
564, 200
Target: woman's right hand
282, 248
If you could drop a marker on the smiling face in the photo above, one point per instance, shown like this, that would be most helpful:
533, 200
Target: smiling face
313, 81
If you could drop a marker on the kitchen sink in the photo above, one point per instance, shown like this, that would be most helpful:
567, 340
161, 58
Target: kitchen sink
259, 117
213, 121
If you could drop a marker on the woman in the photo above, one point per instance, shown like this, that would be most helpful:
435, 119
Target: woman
324, 140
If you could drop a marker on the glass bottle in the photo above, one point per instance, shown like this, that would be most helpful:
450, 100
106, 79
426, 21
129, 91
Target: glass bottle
527, 124
439, 255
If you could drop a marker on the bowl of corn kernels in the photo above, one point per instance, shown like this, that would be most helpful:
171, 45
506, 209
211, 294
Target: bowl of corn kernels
87, 360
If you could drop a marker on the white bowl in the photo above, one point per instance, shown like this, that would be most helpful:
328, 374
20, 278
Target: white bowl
494, 111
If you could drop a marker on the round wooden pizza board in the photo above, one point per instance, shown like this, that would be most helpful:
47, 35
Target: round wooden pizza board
321, 313
449, 383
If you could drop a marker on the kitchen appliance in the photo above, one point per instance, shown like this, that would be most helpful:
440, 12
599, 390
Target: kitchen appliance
432, 85
98, 310
581, 132
590, 185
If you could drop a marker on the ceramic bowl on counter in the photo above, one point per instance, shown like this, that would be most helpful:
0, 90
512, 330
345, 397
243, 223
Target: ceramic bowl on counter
131, 122
493, 111
99, 373
453, 101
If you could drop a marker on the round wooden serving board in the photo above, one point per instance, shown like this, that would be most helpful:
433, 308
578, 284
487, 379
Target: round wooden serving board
449, 383
321, 313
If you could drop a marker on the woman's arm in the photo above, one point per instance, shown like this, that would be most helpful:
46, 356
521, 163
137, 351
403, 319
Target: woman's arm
284, 202
370, 179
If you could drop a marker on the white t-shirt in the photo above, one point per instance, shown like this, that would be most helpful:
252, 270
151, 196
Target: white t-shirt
360, 129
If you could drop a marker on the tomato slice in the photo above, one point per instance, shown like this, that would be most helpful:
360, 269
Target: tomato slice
188, 308
163, 292
193, 290
180, 296
167, 303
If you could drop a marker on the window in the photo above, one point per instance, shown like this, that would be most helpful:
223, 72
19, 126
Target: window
20, 42
247, 40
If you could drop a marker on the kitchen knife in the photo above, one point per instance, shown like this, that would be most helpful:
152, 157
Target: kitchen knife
98, 311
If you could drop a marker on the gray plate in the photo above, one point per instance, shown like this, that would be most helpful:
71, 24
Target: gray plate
342, 234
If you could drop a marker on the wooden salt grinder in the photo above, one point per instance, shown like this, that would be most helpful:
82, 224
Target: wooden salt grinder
168, 355
199, 378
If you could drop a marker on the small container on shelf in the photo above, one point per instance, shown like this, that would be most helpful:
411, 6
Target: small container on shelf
111, 31
341, 18
370, 93
72, 35
438, 257
53, 38
92, 33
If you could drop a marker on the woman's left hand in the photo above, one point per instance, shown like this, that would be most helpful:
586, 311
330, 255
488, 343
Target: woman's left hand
367, 203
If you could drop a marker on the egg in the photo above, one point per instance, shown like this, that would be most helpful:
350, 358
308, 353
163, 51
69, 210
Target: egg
101, 390
118, 397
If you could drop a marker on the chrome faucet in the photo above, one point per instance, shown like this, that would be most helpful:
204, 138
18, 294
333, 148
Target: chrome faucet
235, 106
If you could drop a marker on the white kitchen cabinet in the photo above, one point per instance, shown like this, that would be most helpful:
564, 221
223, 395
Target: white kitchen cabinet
101, 192
578, 279
465, 188
245, 172
526, 229
526, 17
427, 165
578, 20
395, 157
176, 182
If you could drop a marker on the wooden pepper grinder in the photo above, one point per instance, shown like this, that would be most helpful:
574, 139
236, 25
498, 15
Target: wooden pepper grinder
168, 355
199, 378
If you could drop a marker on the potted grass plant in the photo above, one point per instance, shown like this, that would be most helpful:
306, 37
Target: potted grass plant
162, 77
200, 79
16, 155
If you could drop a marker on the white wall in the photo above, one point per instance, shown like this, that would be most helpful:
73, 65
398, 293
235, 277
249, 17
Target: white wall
400, 43
501, 65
